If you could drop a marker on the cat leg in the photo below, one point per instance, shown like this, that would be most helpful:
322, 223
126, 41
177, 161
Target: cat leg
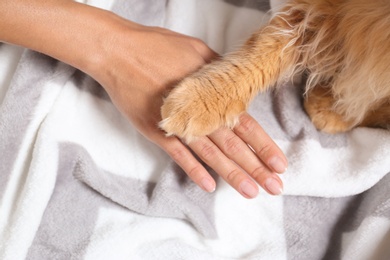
219, 92
319, 105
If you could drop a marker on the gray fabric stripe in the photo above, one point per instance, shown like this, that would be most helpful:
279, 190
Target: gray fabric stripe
71, 214
19, 105
314, 226
146, 12
174, 196
262, 5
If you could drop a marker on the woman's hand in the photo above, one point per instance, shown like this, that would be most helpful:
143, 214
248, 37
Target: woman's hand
137, 65
143, 64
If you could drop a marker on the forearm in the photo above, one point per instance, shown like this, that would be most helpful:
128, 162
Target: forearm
68, 31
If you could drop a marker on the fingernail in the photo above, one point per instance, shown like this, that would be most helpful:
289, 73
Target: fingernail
273, 186
277, 164
248, 189
208, 185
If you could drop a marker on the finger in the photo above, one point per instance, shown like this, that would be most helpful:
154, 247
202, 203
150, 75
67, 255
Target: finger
224, 167
185, 159
264, 147
200, 46
239, 152
209, 55
205, 51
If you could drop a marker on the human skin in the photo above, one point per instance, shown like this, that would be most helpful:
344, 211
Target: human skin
137, 65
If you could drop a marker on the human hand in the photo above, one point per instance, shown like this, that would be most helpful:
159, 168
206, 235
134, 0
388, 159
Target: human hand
136, 83
243, 156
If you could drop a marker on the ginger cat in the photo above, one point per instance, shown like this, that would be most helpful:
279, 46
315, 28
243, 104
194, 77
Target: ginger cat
343, 45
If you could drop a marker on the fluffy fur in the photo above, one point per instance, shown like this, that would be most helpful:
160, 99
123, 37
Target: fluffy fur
343, 45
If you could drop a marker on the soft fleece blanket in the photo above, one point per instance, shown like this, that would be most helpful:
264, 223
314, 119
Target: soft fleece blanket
78, 182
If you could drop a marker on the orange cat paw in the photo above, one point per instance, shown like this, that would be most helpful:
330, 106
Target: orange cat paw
319, 107
197, 108
329, 122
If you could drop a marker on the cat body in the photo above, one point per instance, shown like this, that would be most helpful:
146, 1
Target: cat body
342, 45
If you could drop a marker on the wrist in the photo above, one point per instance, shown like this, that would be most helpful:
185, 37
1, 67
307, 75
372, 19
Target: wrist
83, 40
95, 45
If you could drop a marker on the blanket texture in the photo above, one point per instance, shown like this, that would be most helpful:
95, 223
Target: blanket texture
77, 181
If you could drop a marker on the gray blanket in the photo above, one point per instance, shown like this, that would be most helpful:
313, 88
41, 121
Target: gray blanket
78, 182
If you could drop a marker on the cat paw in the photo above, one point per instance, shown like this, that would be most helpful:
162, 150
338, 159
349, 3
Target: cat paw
319, 106
329, 122
197, 107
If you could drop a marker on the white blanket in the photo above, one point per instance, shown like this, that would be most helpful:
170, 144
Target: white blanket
78, 182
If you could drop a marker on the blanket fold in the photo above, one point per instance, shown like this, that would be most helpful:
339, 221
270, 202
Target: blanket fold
173, 196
